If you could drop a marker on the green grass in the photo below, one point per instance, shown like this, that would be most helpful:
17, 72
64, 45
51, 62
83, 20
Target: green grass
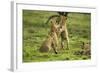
35, 32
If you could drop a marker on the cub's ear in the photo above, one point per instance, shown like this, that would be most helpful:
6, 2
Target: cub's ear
82, 44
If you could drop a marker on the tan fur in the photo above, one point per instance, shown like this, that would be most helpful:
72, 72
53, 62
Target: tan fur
52, 40
64, 32
86, 48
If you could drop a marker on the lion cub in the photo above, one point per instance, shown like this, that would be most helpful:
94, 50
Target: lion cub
86, 48
64, 32
51, 41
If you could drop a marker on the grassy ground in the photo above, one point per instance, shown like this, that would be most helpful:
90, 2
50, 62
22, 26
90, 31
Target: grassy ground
35, 32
